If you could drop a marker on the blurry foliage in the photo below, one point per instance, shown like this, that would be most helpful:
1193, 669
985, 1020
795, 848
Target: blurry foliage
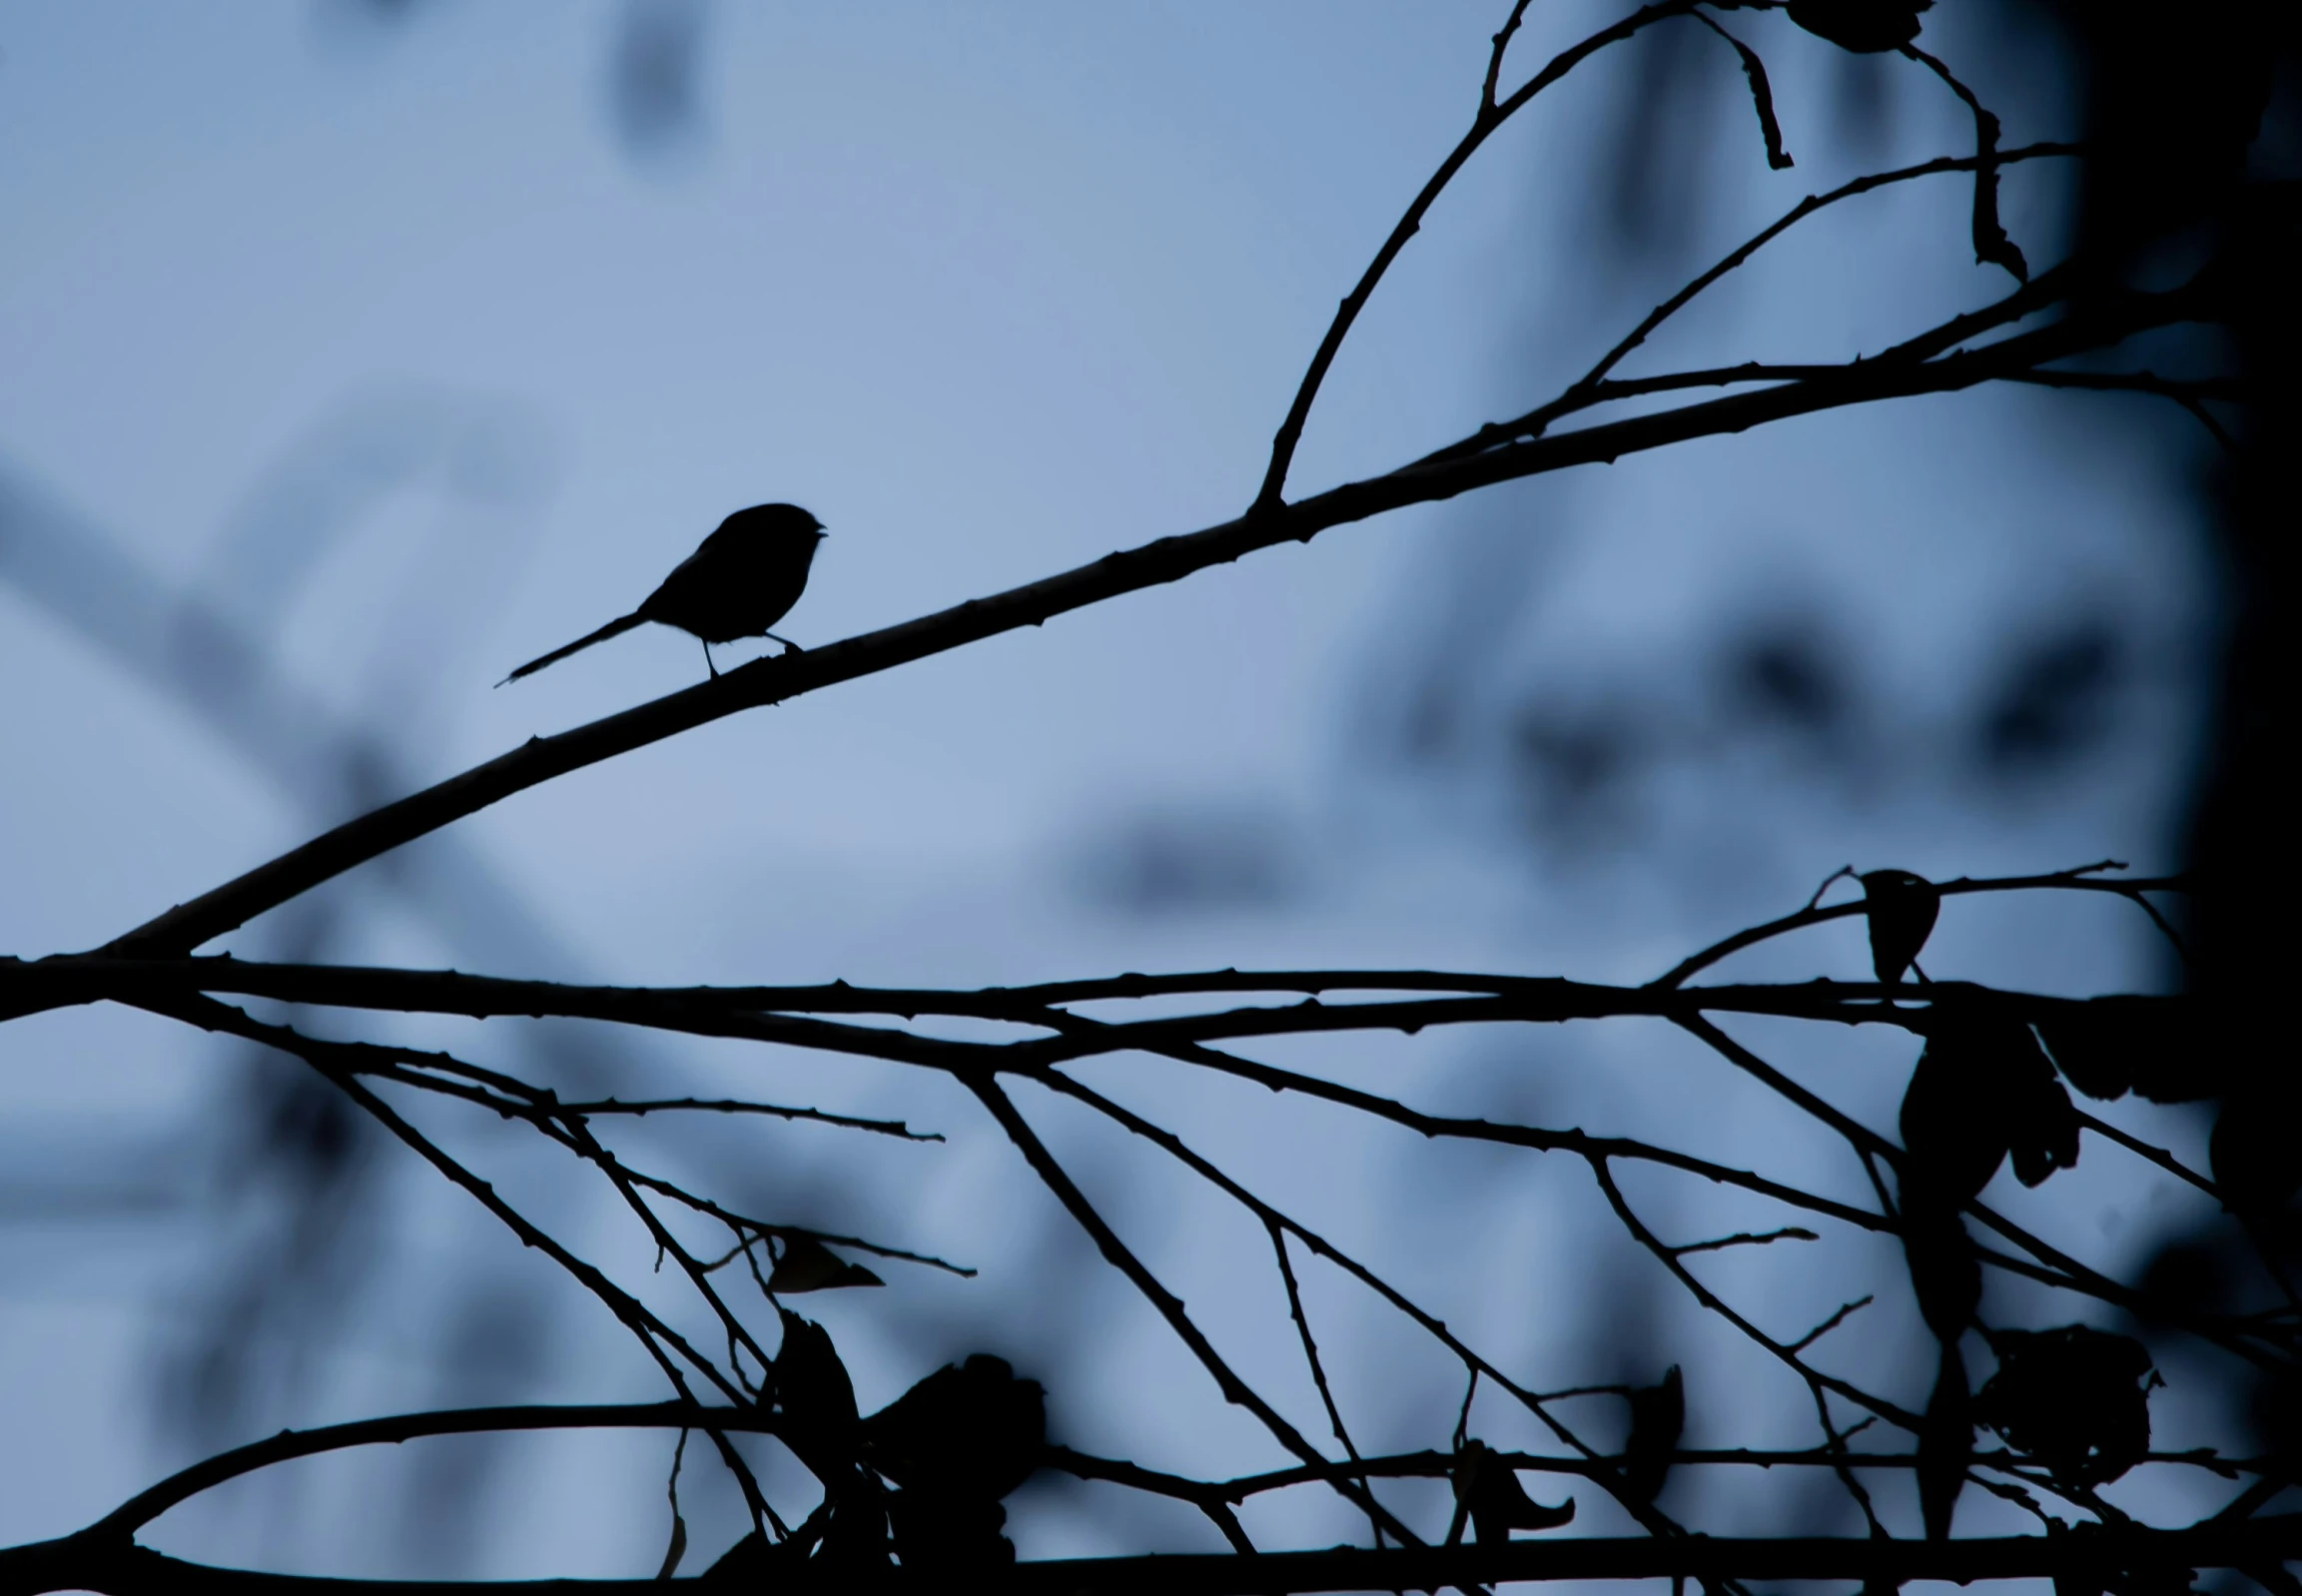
922, 1483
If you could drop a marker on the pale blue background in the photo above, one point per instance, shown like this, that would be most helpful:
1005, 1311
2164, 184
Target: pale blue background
379, 339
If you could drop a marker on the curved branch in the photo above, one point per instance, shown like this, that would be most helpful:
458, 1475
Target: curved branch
1492, 115
2107, 1555
776, 680
781, 1015
146, 1505
1580, 393
2082, 879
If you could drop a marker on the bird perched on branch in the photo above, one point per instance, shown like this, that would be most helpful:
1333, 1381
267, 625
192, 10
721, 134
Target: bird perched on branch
742, 580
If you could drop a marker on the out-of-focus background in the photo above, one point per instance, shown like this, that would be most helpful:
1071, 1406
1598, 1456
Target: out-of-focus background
353, 351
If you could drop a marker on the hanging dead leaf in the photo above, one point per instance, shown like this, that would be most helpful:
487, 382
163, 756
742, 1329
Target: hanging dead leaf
970, 1427
812, 1387
1945, 1277
1983, 1089
956, 1442
2042, 1122
808, 1265
1950, 1124
1490, 1494
1945, 1444
1863, 26
1902, 908
1658, 1415
2076, 1398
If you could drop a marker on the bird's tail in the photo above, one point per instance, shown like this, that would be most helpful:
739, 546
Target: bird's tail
614, 628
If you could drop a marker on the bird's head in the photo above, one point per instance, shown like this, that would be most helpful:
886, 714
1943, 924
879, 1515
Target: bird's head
776, 520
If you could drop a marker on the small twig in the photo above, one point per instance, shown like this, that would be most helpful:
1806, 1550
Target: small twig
2143, 1149
1762, 94
1792, 1233
1719, 1305
1311, 1354
1991, 245
614, 1105
1462, 1431
1502, 45
147, 1504
1834, 1443
1843, 873
1534, 422
677, 1547
1838, 1318
2077, 880
652, 1333
1272, 497
1166, 1303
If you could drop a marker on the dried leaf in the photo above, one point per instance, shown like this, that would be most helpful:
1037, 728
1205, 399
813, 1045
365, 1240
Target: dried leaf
755, 1561
1945, 1444
956, 1443
1983, 1088
855, 1532
1761, 98
808, 1265
1902, 908
1658, 1415
2106, 1045
812, 1387
1863, 26
1991, 245
973, 1428
2042, 1124
1950, 1128
2076, 1398
1945, 1277
949, 1534
1487, 1491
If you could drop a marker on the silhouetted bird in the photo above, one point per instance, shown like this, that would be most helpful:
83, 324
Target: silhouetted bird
743, 580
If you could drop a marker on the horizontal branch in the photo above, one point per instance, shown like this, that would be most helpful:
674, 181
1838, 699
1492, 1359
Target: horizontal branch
1169, 559
121, 1570
2087, 878
1439, 1465
395, 1429
782, 1014
287, 1445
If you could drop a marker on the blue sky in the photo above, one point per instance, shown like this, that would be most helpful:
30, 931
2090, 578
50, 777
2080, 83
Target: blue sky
376, 342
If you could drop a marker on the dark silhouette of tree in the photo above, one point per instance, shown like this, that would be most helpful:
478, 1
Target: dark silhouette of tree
2041, 1417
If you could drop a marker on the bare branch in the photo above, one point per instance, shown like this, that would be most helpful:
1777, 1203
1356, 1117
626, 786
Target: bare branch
122, 1570
1905, 373
1792, 1233
1167, 1306
1492, 114
1844, 1312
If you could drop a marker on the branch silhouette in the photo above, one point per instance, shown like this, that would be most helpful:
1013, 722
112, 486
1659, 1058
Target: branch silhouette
911, 1495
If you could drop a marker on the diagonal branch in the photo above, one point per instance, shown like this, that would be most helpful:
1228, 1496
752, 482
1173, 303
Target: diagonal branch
1492, 114
1167, 1306
777, 680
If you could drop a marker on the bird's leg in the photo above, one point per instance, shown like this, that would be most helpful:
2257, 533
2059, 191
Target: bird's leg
707, 664
789, 645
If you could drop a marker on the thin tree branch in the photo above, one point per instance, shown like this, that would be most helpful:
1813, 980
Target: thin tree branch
118, 1570
147, 1504
1166, 1303
1492, 114
780, 680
